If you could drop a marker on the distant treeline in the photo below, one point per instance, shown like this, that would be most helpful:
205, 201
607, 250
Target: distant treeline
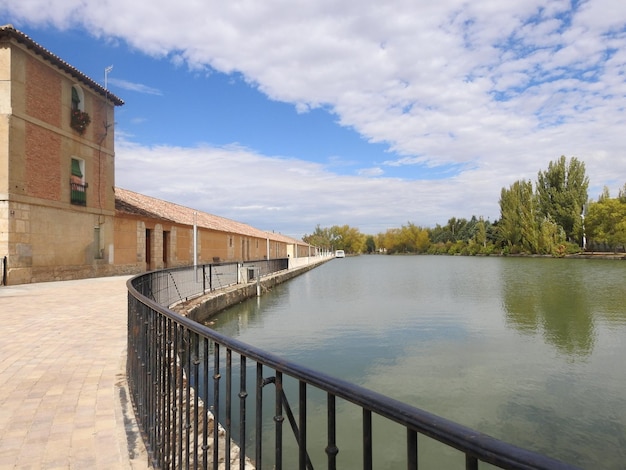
553, 216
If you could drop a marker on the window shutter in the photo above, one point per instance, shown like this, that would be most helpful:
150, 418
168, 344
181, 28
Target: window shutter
76, 168
75, 98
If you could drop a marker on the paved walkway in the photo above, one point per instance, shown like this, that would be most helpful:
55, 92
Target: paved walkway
63, 397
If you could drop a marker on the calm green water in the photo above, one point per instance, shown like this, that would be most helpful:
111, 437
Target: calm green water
531, 351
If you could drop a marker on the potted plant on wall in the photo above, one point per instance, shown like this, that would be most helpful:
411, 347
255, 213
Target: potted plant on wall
79, 121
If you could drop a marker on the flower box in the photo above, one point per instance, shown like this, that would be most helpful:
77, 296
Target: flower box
80, 120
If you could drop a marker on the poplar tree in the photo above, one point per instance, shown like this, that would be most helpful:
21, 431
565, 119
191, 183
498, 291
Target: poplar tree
511, 207
605, 221
562, 192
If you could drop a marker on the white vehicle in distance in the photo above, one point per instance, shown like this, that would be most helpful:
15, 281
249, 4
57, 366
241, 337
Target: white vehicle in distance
340, 254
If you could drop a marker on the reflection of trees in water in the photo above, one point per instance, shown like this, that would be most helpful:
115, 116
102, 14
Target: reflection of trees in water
550, 296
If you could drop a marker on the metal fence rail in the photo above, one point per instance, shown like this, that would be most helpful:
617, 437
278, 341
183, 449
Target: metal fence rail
205, 400
170, 286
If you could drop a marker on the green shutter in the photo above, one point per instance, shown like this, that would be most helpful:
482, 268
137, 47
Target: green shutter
76, 168
75, 98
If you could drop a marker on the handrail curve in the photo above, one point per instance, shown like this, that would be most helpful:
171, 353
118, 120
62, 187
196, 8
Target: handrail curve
159, 380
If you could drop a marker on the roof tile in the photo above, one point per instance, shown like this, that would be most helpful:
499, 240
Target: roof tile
133, 203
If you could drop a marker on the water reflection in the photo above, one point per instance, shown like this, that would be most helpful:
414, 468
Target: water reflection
550, 296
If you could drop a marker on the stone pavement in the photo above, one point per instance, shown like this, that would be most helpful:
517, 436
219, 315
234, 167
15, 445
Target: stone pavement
64, 403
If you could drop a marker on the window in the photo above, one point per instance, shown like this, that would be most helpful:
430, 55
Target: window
79, 119
78, 187
78, 99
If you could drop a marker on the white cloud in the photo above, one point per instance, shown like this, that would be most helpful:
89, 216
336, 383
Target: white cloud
272, 192
137, 87
503, 86
376, 171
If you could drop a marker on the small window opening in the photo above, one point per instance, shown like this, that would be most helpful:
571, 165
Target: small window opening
78, 187
78, 102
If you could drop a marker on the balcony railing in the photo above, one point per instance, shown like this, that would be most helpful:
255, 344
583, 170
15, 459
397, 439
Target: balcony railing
205, 400
78, 194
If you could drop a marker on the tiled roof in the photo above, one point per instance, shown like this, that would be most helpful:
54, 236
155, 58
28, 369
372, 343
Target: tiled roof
9, 32
130, 202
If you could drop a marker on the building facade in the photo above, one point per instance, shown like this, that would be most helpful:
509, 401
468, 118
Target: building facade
57, 202
154, 234
61, 216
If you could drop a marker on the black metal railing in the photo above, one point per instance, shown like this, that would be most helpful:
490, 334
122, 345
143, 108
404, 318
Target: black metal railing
174, 285
269, 266
78, 194
200, 402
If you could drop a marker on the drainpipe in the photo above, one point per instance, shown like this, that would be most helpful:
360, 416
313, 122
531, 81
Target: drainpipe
195, 240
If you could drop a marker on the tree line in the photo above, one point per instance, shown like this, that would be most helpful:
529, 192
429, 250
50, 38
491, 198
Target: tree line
553, 216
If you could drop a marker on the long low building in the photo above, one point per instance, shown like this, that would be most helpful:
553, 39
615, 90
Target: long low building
155, 234
61, 216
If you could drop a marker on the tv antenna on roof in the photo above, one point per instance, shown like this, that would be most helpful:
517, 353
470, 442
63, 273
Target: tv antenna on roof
106, 74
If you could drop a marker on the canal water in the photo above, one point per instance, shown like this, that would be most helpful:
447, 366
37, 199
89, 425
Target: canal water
529, 350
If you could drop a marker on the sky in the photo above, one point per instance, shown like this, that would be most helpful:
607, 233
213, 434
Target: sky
288, 115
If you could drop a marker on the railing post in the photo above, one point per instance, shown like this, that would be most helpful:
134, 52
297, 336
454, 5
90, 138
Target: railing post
259, 416
205, 398
471, 462
278, 418
367, 439
243, 394
411, 449
228, 410
216, 400
204, 278
302, 458
331, 447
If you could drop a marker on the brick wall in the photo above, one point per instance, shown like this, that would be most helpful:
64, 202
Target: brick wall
43, 163
43, 92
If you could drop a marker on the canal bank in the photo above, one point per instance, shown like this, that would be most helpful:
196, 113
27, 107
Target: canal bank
202, 308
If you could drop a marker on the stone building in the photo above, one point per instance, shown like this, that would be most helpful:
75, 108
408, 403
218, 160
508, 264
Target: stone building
154, 234
57, 201
61, 216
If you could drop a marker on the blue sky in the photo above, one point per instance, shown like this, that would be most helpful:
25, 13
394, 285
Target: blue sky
288, 115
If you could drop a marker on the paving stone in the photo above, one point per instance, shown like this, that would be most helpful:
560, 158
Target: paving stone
63, 395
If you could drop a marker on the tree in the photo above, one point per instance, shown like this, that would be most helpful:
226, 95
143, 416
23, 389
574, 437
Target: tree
441, 234
321, 237
391, 240
551, 238
622, 193
605, 222
409, 238
522, 226
415, 239
480, 236
347, 238
510, 226
562, 192
337, 237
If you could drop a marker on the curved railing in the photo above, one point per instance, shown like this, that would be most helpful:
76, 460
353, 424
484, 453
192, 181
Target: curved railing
199, 400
